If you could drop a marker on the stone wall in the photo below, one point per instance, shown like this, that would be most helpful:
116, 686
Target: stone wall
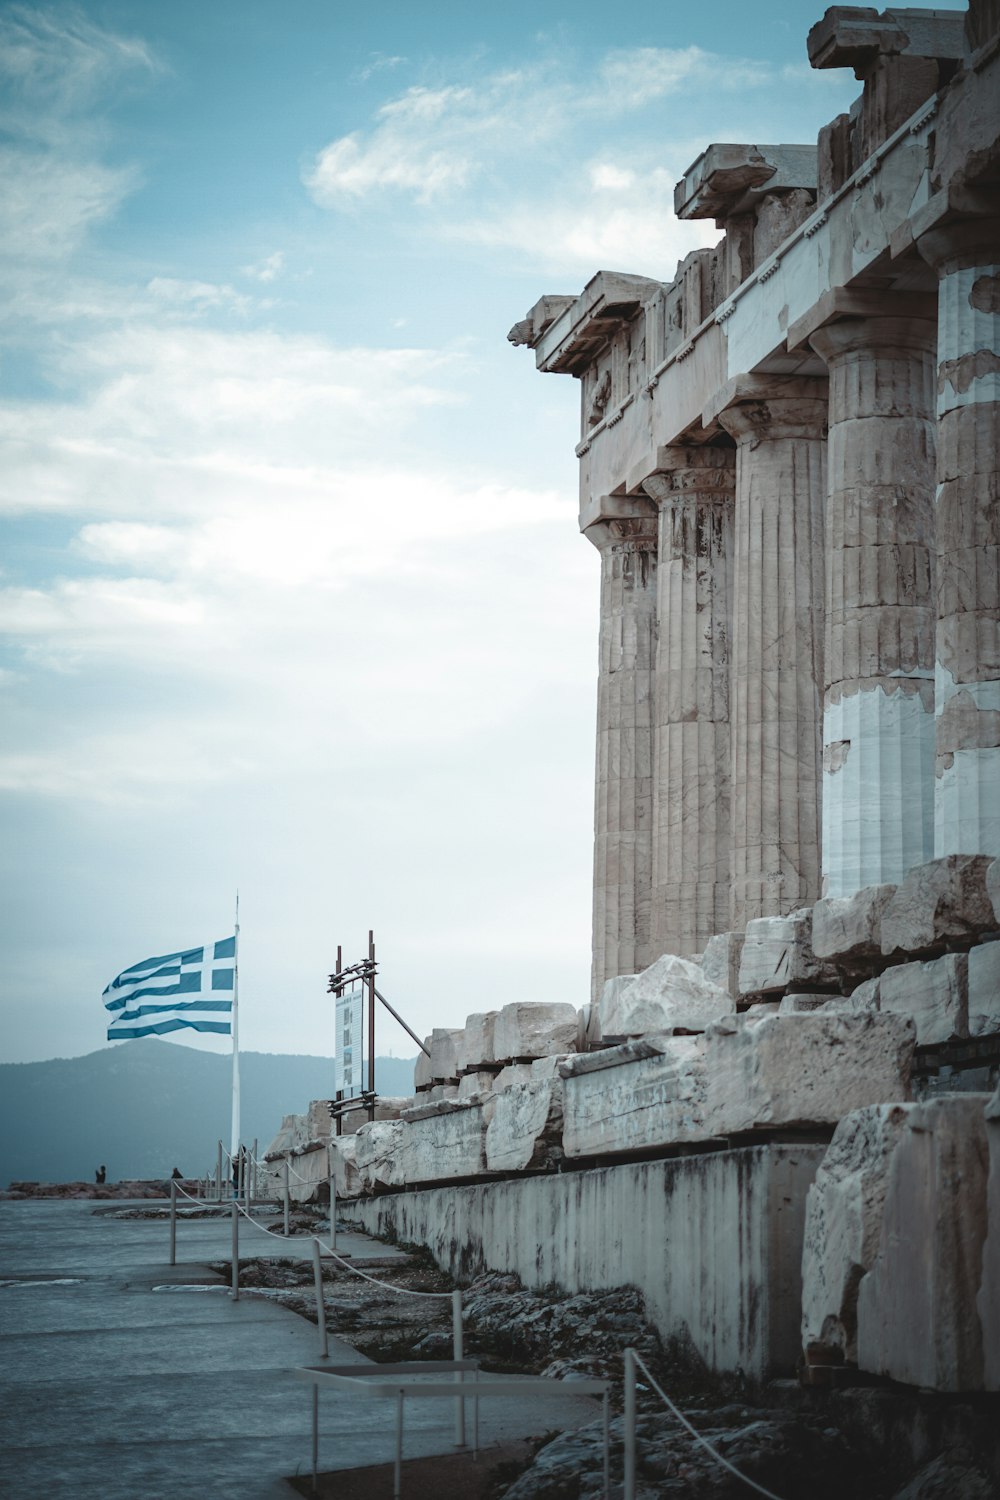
713, 1242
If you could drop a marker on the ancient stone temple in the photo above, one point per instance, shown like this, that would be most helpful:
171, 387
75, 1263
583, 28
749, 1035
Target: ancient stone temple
778, 1117
788, 461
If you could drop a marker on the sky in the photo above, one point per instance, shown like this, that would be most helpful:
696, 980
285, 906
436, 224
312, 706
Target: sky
292, 596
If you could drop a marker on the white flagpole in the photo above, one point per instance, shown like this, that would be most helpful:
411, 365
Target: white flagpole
236, 1035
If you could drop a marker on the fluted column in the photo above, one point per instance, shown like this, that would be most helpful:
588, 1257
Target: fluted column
777, 656
623, 804
966, 257
878, 708
693, 488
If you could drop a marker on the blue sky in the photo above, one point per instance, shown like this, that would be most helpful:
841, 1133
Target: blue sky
292, 596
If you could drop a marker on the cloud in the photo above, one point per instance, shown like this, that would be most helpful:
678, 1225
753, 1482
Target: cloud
268, 269
418, 145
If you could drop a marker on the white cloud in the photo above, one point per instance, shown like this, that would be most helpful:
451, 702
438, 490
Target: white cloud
268, 269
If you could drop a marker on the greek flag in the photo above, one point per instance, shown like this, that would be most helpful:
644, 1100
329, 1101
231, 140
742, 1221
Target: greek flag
193, 988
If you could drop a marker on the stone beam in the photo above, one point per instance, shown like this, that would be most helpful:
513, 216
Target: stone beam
854, 36
727, 180
586, 325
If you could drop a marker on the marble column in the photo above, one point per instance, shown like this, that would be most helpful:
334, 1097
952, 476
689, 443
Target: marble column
966, 256
878, 708
779, 424
693, 488
623, 805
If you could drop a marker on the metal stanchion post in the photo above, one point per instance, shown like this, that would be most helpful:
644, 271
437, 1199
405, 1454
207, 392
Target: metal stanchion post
333, 1197
457, 1346
320, 1305
606, 1415
397, 1472
629, 1490
315, 1454
253, 1176
287, 1196
173, 1222
218, 1172
235, 1291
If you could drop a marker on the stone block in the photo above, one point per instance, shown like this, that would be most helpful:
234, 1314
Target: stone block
525, 1030
422, 1069
608, 1003
441, 1091
984, 989
942, 904
377, 1155
343, 1158
777, 956
641, 1095
848, 929
471, 1084
444, 1045
720, 961
318, 1121
993, 888
475, 1046
443, 1141
934, 993
862, 1000
988, 1299
672, 994
803, 1070
844, 1223
525, 1133
918, 1322
309, 1174
797, 1005
759, 1010
512, 1074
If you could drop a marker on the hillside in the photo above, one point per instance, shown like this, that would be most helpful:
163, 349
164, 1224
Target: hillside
150, 1105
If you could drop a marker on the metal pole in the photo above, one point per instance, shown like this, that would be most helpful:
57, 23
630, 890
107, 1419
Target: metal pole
173, 1222
371, 1024
287, 1197
397, 1017
475, 1415
253, 1175
315, 1453
397, 1473
320, 1305
235, 1291
629, 1490
606, 1405
457, 1345
339, 1092
333, 1197
218, 1173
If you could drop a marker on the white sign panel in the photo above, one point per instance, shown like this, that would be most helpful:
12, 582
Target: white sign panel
349, 1071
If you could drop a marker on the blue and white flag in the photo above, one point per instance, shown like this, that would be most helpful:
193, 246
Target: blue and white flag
193, 988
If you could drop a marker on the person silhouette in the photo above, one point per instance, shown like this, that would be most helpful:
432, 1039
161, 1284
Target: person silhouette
100, 1175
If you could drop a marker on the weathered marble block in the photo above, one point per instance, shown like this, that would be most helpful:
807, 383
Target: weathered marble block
803, 1070
290, 1137
422, 1078
777, 955
377, 1155
844, 1222
642, 1094
443, 1141
863, 999
942, 903
444, 1054
475, 1045
309, 1173
720, 961
525, 1030
475, 1083
935, 994
525, 1133
512, 1074
798, 1005
848, 929
319, 1125
343, 1158
917, 1317
988, 1299
993, 888
984, 989
672, 994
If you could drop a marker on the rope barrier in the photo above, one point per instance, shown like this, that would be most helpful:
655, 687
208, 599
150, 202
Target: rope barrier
697, 1435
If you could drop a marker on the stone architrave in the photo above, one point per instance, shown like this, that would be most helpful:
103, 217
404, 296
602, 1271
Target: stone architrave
525, 1133
878, 709
966, 256
844, 1223
623, 804
694, 490
779, 424
917, 1316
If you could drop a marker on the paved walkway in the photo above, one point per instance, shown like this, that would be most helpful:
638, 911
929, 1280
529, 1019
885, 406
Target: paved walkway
122, 1378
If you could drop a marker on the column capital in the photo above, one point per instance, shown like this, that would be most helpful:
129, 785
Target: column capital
686, 470
962, 243
890, 334
613, 520
762, 408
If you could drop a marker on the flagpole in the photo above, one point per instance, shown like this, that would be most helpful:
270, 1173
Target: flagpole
235, 1133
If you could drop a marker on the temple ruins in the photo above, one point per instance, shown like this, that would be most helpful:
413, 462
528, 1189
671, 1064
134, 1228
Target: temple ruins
777, 1114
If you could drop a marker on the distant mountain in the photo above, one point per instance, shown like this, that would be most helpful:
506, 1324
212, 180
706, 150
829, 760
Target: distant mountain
149, 1106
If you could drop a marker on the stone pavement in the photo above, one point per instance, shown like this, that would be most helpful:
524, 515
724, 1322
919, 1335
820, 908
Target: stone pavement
122, 1378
